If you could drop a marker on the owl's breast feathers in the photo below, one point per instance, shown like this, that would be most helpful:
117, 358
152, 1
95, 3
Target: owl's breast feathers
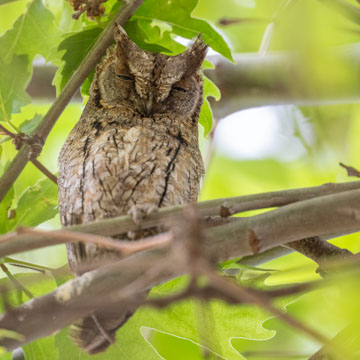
106, 171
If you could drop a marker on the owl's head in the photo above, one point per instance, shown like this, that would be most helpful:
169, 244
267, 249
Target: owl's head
151, 83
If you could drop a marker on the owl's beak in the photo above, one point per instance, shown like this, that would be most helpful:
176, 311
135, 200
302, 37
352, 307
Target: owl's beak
149, 104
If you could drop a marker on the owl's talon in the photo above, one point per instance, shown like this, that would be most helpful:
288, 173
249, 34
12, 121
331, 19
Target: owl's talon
139, 212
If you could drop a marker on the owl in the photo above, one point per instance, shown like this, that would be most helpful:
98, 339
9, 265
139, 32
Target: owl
135, 149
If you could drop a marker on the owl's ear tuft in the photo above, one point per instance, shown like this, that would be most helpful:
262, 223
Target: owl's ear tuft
125, 47
120, 34
195, 55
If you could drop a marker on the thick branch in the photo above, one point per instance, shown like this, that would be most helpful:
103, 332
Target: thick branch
318, 250
81, 73
257, 80
337, 213
224, 207
284, 78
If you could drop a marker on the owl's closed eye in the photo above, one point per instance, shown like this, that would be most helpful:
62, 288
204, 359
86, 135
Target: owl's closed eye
151, 83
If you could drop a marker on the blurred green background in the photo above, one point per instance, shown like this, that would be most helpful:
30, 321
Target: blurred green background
324, 136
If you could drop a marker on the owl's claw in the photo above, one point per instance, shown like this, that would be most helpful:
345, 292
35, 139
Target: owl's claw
140, 211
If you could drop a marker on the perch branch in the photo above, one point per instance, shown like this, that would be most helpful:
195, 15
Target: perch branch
336, 213
13, 243
49, 120
318, 250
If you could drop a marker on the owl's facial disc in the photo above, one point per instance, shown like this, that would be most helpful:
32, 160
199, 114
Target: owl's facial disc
152, 83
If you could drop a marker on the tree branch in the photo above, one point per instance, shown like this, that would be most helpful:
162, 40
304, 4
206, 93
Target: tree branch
13, 243
256, 80
281, 78
336, 213
81, 73
318, 250
19, 138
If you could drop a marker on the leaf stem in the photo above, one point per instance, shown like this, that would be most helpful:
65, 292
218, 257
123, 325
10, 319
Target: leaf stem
17, 284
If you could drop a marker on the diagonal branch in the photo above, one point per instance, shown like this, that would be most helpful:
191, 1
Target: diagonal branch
36, 162
318, 250
81, 73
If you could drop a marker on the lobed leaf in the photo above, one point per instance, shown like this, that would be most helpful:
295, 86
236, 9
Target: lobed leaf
206, 115
5, 206
33, 33
44, 195
75, 47
177, 13
28, 126
14, 78
215, 322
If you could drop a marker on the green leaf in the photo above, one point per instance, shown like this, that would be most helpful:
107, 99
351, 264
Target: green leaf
42, 349
28, 126
75, 46
216, 322
177, 13
3, 2
33, 33
37, 284
5, 205
206, 117
85, 87
14, 78
210, 89
157, 34
3, 352
36, 204
146, 38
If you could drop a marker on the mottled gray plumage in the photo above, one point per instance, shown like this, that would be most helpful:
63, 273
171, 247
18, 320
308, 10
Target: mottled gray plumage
134, 149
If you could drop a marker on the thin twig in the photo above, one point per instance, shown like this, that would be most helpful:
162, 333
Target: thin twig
44, 170
210, 292
81, 73
17, 283
126, 248
102, 330
351, 171
5, 131
36, 162
242, 294
225, 21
